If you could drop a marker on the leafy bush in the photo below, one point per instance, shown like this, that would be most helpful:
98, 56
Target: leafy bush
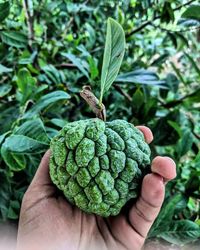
50, 49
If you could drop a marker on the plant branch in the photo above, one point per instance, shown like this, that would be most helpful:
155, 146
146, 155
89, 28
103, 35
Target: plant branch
177, 102
146, 23
175, 31
93, 102
121, 91
67, 26
65, 65
30, 21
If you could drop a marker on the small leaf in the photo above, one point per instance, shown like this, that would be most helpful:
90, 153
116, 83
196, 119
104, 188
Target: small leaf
94, 72
4, 10
3, 136
77, 62
14, 161
173, 82
160, 60
14, 38
194, 96
188, 22
24, 145
192, 12
185, 143
173, 38
176, 126
193, 63
181, 232
163, 221
4, 69
34, 129
178, 73
138, 99
45, 101
13, 210
25, 81
53, 74
26, 84
59, 122
165, 134
167, 14
5, 89
140, 76
113, 55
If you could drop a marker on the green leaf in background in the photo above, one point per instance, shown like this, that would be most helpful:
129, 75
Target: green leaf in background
94, 72
34, 129
5, 89
164, 133
193, 63
14, 206
192, 186
59, 122
14, 161
25, 80
167, 14
4, 69
3, 136
26, 84
185, 143
194, 97
188, 22
113, 55
192, 12
181, 232
45, 101
141, 76
14, 38
54, 75
77, 62
163, 221
178, 73
4, 10
138, 98
176, 126
22, 144
173, 82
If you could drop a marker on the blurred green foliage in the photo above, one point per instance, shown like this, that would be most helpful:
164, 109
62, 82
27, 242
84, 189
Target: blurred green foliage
50, 49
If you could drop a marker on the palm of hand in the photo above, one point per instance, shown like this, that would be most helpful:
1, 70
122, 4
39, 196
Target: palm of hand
48, 221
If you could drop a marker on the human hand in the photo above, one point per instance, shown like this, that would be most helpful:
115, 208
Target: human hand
48, 221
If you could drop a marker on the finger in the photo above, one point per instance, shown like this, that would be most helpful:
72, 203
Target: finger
165, 167
146, 209
147, 133
42, 176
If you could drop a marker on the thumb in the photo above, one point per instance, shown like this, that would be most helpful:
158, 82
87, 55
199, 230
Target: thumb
42, 176
41, 186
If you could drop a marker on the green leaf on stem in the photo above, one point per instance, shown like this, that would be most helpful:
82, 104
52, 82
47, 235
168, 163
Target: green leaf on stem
113, 55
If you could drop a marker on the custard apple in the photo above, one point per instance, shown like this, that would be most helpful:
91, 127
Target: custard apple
99, 165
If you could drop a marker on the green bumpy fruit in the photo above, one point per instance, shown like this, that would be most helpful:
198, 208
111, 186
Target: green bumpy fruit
99, 165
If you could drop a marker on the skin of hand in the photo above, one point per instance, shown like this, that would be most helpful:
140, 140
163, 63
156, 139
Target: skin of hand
48, 221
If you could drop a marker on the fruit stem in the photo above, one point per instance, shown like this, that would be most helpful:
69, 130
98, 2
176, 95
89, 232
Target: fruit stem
93, 102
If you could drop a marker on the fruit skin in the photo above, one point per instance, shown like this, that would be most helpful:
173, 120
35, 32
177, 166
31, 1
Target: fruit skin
99, 165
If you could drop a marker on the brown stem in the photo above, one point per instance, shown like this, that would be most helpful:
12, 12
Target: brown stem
65, 65
93, 102
180, 100
121, 91
30, 21
175, 31
146, 23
